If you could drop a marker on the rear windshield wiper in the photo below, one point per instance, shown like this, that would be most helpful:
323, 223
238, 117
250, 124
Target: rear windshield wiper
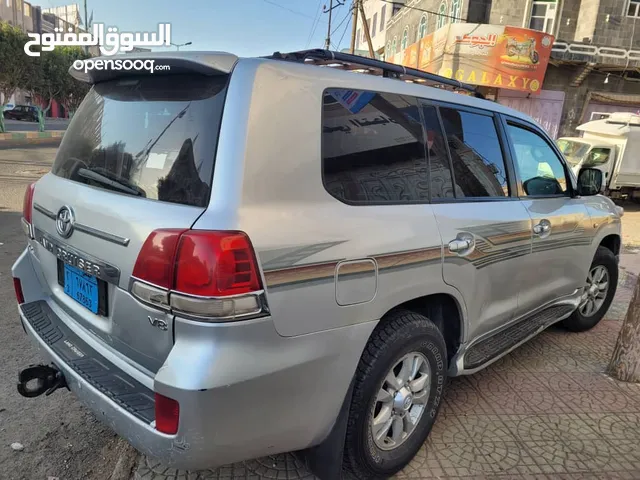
110, 182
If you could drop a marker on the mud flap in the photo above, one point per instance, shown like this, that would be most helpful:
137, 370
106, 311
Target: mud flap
325, 460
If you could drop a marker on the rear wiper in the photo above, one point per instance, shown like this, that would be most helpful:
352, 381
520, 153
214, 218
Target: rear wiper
110, 182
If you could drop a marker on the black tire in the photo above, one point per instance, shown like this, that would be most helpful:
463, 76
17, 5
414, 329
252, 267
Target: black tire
401, 333
580, 323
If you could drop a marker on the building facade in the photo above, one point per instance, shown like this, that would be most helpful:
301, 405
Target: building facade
595, 60
377, 13
19, 13
34, 19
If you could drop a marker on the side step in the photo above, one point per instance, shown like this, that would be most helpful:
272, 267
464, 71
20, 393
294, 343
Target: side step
485, 350
95, 369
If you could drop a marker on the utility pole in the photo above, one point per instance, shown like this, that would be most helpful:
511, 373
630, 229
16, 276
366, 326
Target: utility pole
327, 42
354, 25
365, 25
86, 17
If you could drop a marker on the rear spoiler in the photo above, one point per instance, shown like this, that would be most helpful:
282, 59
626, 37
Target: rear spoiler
144, 63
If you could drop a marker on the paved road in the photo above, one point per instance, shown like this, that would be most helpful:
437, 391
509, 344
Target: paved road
50, 124
61, 438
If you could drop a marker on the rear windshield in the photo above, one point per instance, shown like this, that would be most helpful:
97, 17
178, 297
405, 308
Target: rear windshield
152, 137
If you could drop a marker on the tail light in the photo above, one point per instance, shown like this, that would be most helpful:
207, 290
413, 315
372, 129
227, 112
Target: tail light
27, 209
17, 286
167, 414
208, 274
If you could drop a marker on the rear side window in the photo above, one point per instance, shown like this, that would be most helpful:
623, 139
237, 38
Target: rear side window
373, 148
439, 166
478, 165
154, 137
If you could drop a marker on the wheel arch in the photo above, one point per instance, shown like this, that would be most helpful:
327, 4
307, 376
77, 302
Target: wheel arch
612, 242
444, 310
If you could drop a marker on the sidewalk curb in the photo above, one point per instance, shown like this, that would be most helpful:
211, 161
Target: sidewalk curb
17, 139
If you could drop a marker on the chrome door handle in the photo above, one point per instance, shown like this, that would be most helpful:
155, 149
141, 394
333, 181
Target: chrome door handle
460, 245
541, 228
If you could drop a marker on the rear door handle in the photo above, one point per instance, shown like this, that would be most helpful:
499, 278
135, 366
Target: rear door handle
459, 245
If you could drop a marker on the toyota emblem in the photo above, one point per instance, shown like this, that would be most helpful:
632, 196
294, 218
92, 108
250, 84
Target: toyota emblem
65, 221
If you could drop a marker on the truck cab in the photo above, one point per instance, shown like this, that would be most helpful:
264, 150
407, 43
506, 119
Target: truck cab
610, 145
581, 153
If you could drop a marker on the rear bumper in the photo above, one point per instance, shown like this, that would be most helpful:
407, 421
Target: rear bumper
244, 391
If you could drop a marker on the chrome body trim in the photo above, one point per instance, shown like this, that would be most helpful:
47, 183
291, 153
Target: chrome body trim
109, 237
77, 258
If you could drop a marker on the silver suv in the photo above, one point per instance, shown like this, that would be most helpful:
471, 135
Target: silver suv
241, 257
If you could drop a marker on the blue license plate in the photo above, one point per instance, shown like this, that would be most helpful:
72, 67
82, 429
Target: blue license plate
81, 287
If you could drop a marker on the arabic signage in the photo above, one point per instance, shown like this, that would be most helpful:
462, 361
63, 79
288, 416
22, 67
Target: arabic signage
490, 55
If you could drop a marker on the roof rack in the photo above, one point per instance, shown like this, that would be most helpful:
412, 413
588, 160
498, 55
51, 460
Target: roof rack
345, 61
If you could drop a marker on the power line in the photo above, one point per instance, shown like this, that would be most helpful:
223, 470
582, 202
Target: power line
423, 10
343, 20
315, 23
288, 9
346, 27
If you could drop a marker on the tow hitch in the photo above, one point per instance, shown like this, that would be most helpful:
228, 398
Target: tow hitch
38, 379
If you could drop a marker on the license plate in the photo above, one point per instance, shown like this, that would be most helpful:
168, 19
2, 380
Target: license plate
81, 287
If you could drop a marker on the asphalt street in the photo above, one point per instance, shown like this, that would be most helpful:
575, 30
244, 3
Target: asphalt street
50, 124
61, 439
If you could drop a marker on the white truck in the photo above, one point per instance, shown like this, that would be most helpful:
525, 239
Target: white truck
612, 145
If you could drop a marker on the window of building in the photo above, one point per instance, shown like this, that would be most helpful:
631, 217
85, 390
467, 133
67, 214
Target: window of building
543, 15
375, 155
394, 46
441, 184
373, 25
442, 16
27, 9
478, 165
540, 169
19, 5
9, 3
364, 32
358, 37
382, 15
634, 8
422, 28
388, 52
456, 11
405, 38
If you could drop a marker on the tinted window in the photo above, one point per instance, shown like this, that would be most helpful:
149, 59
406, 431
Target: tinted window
540, 169
153, 137
373, 148
478, 165
439, 166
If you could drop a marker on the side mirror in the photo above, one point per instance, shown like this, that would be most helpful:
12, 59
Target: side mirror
589, 182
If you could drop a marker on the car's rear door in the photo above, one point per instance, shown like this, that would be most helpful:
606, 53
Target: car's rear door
137, 156
485, 229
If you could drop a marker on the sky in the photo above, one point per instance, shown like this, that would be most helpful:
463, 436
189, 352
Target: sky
242, 27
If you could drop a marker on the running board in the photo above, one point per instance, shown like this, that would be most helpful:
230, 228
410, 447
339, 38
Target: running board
485, 351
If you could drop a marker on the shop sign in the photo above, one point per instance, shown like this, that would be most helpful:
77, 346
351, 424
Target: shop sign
489, 55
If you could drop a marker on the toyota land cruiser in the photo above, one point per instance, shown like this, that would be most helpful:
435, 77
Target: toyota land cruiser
242, 257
